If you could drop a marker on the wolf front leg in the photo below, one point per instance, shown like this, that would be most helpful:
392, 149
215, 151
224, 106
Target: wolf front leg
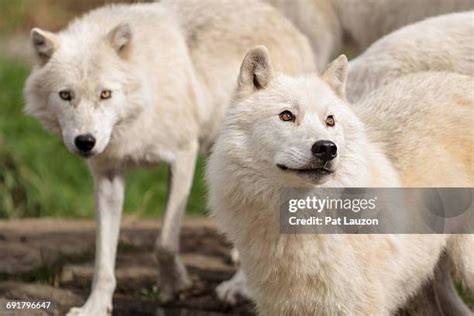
109, 193
172, 275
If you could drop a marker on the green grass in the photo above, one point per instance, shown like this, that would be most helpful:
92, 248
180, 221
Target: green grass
39, 177
466, 296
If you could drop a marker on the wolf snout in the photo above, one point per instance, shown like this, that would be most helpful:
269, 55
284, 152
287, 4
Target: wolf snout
325, 150
85, 142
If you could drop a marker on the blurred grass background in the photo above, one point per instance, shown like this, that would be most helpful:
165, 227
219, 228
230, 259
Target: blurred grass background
38, 176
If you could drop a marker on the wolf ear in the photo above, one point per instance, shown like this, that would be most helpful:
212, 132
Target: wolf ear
119, 38
335, 75
256, 71
44, 43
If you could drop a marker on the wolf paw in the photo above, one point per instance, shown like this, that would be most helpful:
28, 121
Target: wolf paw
169, 290
172, 277
230, 291
88, 309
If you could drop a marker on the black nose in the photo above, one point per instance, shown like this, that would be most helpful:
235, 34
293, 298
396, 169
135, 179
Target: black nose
325, 150
85, 143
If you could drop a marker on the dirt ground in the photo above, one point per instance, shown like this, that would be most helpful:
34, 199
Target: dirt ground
52, 260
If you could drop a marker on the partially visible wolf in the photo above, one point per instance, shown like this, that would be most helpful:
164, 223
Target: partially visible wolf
286, 132
329, 24
135, 85
444, 43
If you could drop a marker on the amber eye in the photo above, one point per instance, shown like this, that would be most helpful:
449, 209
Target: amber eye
287, 116
330, 120
105, 94
65, 95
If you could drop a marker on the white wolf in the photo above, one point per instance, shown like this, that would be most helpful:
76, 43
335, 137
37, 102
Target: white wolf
277, 135
135, 85
443, 43
330, 24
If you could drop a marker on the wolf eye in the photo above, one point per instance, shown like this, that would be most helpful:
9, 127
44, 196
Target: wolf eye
105, 94
330, 120
65, 95
287, 116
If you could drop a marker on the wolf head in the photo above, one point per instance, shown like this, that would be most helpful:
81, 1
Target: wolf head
292, 131
83, 85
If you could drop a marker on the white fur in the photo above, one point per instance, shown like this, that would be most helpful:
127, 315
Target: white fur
236, 287
171, 68
443, 43
329, 24
330, 274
